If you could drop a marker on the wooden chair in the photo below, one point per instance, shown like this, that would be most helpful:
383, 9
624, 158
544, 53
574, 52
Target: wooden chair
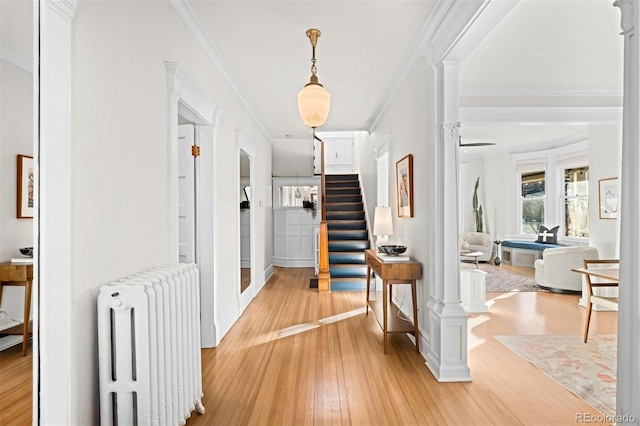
607, 302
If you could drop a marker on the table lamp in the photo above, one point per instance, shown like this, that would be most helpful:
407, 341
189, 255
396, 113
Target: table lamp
382, 225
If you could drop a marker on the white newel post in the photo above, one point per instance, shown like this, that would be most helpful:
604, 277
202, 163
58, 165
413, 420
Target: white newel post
628, 372
52, 338
447, 355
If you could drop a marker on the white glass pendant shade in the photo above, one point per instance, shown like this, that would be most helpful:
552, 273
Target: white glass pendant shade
314, 102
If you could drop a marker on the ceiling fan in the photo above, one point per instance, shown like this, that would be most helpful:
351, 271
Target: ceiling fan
473, 143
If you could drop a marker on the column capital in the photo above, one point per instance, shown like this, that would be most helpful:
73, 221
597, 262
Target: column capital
450, 131
627, 12
64, 8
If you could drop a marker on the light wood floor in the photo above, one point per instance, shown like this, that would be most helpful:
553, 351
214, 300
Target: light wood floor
280, 365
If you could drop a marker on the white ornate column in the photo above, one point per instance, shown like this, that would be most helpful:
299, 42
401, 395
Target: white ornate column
447, 354
53, 355
628, 374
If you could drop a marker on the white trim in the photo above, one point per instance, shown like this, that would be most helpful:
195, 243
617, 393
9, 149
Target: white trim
264, 277
186, 99
65, 8
225, 321
286, 262
483, 23
562, 94
550, 161
16, 58
628, 373
197, 29
438, 33
384, 146
53, 278
543, 115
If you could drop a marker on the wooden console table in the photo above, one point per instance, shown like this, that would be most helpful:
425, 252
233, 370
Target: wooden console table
399, 272
18, 274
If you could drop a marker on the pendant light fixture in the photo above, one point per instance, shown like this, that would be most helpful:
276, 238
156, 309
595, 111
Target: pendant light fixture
313, 100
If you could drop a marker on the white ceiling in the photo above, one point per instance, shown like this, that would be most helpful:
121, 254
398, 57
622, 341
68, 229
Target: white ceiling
362, 50
564, 46
366, 45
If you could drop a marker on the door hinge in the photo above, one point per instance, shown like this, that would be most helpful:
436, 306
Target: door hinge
195, 151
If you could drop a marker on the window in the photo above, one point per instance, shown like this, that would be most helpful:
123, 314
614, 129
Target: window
293, 196
576, 202
552, 189
532, 201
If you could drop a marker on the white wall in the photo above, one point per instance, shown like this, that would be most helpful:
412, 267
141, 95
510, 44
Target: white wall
16, 137
406, 122
604, 162
120, 135
291, 156
522, 53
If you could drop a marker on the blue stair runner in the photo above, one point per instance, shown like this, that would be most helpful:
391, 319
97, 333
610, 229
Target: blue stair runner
348, 236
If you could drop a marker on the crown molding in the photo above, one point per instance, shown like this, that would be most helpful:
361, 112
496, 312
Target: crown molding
542, 115
606, 93
490, 14
419, 47
445, 23
16, 58
197, 29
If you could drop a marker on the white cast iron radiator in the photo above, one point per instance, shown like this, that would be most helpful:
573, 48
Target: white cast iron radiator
149, 347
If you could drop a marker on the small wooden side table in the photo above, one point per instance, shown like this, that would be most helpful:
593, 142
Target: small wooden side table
21, 275
399, 272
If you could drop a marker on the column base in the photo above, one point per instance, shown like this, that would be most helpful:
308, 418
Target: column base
447, 355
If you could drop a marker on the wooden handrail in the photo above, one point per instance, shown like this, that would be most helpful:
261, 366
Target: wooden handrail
324, 276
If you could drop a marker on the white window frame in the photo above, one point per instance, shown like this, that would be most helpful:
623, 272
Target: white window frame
535, 167
573, 160
553, 162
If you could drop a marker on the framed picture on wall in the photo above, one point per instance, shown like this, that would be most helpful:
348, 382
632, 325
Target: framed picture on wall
26, 184
609, 198
404, 184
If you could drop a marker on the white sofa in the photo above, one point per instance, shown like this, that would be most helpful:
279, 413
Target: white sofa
478, 241
554, 272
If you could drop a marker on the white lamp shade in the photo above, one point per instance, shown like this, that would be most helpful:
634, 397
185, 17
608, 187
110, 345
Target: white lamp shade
382, 224
313, 105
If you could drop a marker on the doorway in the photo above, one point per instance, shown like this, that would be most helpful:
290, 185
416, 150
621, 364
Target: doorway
192, 108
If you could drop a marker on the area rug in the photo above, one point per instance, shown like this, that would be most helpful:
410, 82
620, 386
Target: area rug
499, 279
586, 369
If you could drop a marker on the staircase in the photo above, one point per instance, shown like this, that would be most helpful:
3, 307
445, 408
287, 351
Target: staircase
348, 236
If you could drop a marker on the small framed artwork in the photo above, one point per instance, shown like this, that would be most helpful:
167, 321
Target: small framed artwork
26, 184
609, 198
404, 182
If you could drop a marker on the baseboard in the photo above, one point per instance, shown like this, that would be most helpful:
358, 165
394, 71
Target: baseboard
294, 263
226, 321
264, 277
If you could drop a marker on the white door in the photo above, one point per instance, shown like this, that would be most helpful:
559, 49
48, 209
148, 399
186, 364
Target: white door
338, 156
186, 194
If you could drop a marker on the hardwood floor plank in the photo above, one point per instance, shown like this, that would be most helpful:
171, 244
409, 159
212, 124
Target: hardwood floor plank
288, 361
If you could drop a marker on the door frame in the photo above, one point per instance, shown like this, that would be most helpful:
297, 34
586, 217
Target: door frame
187, 100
